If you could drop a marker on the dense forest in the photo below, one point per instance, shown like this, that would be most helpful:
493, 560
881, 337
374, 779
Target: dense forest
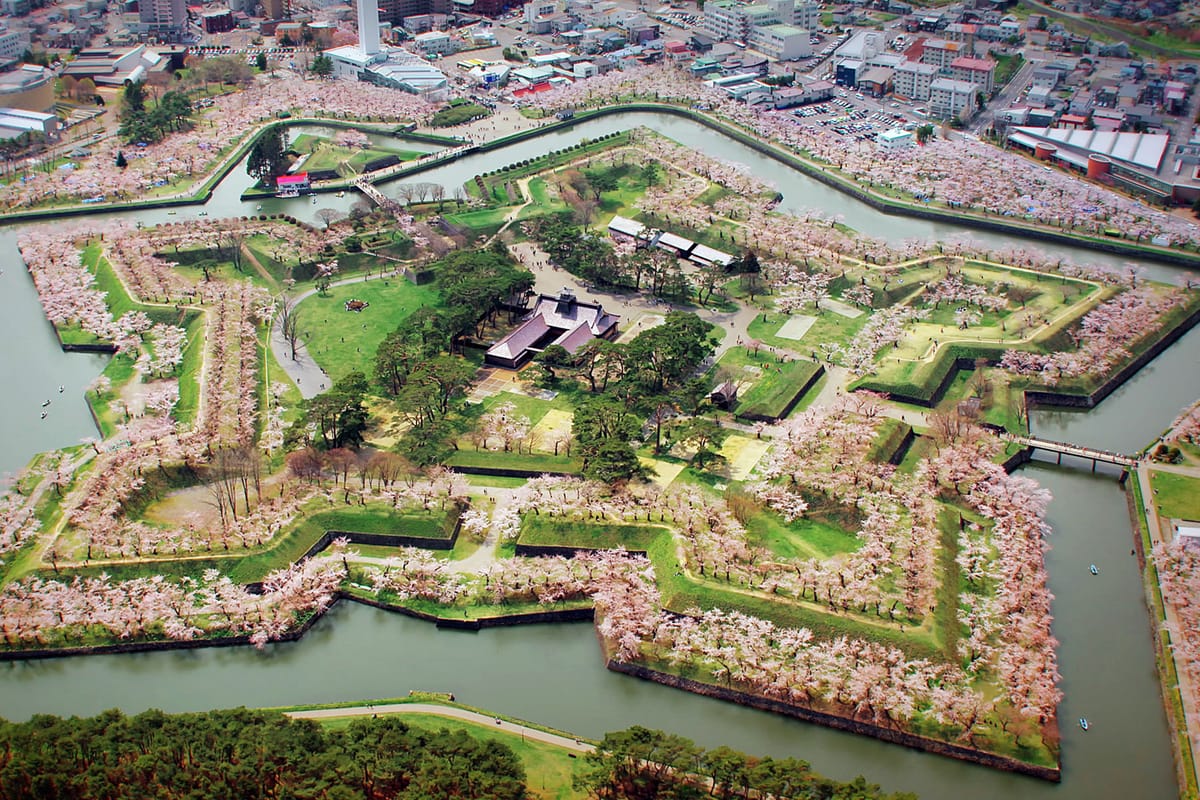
264, 754
247, 754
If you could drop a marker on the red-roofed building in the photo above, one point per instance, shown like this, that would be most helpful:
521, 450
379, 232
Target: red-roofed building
979, 71
293, 185
534, 89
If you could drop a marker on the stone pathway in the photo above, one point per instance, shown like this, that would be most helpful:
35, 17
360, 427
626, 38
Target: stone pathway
450, 712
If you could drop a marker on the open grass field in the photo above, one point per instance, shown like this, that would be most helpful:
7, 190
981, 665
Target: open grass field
344, 341
828, 327
804, 538
546, 530
324, 154
531, 462
767, 385
432, 524
1177, 496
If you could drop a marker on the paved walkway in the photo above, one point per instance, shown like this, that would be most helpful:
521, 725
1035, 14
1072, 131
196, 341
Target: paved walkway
1160, 533
450, 712
485, 556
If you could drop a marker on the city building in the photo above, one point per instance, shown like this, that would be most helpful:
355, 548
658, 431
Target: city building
894, 140
28, 87
877, 81
733, 21
165, 20
393, 67
12, 45
434, 42
861, 47
116, 66
847, 72
781, 42
17, 121
911, 80
950, 98
940, 53
15, 8
975, 70
394, 11
1147, 165
218, 21
276, 9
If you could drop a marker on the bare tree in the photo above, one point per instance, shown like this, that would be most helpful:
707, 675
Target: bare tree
439, 194
330, 216
230, 245
289, 325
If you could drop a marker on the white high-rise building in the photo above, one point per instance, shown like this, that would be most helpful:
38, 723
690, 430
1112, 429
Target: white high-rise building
368, 26
165, 18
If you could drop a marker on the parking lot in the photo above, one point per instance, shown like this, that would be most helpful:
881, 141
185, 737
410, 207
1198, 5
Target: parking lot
852, 118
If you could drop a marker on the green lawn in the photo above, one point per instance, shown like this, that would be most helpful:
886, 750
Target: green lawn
545, 530
771, 385
1177, 496
324, 154
344, 341
533, 462
829, 327
533, 407
432, 524
481, 222
804, 538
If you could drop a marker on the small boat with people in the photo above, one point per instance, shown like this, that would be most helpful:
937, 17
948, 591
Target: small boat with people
1092, 569
1083, 723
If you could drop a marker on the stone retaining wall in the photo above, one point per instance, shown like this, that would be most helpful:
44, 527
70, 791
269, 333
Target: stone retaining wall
928, 745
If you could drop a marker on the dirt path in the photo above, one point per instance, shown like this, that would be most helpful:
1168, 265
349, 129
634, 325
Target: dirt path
450, 712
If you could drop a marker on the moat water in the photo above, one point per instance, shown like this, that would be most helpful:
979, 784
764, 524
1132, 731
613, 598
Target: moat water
554, 674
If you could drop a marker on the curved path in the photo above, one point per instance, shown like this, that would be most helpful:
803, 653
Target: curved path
451, 712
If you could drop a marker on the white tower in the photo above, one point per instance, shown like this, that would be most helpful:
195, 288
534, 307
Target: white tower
368, 26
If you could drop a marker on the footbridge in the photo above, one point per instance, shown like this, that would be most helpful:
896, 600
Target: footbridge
364, 185
1067, 449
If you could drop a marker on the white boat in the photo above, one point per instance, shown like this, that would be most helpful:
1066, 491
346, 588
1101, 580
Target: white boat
341, 194
1092, 569
171, 213
1083, 723
258, 207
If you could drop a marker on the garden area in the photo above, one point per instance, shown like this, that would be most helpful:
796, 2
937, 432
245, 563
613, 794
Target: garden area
349, 153
816, 536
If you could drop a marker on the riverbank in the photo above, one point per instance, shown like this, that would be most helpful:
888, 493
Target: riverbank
1183, 718
839, 722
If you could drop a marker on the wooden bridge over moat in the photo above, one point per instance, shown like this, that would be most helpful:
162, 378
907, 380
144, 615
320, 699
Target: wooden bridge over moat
1067, 449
